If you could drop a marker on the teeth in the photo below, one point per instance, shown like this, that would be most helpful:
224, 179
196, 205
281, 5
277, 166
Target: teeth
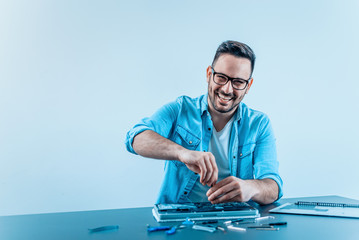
224, 97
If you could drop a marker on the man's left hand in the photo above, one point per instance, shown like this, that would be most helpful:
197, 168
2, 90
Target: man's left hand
231, 189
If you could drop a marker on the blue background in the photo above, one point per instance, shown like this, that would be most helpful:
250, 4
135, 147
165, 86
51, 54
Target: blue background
76, 75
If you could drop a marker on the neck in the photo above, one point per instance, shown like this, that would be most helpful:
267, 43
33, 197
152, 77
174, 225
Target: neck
220, 119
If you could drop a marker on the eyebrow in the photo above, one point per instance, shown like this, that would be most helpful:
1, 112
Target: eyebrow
231, 77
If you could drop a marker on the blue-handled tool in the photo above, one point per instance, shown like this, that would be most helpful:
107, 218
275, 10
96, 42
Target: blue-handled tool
160, 228
172, 230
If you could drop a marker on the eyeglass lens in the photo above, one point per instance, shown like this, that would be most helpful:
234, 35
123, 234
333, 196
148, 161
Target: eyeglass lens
236, 83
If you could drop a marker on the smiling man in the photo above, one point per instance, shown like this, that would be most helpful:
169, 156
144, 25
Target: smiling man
217, 149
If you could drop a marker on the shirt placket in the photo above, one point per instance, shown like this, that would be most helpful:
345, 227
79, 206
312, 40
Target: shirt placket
207, 129
233, 158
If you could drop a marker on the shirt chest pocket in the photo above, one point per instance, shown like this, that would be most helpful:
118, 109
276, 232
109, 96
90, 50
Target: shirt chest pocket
246, 150
245, 157
185, 138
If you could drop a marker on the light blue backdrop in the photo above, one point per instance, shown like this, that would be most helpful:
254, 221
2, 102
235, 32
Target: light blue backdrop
76, 75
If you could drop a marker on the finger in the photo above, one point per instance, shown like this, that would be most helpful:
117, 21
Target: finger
218, 186
195, 169
203, 172
209, 170
229, 197
227, 187
214, 177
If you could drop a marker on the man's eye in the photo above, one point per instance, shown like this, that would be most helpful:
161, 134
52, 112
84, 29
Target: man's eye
222, 78
239, 82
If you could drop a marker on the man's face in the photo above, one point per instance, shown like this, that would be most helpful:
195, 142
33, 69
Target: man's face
224, 98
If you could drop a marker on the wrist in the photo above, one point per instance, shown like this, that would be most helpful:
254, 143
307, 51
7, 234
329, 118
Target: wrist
179, 153
254, 186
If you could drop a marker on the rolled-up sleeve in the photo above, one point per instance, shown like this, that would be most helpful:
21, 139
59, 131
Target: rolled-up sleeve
265, 155
161, 122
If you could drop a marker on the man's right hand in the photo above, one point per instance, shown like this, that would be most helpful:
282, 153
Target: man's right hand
202, 163
152, 145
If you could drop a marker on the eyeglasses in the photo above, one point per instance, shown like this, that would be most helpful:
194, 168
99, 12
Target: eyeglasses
222, 79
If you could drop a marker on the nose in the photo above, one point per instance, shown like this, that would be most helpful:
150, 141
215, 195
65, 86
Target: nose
227, 88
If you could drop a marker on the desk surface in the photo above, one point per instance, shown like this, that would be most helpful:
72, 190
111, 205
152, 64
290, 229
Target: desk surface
132, 225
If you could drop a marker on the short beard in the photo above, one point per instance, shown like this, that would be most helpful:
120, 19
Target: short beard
219, 110
222, 111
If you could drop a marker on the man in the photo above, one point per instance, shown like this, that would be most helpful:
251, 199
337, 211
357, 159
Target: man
217, 149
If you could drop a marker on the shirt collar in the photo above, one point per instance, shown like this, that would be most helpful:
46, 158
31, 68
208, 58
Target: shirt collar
204, 104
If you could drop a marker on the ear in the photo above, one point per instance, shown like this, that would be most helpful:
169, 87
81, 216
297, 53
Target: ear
208, 73
249, 85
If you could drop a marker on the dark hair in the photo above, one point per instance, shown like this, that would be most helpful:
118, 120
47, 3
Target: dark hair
237, 49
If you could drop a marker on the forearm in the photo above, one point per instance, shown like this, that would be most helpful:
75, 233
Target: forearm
152, 145
265, 191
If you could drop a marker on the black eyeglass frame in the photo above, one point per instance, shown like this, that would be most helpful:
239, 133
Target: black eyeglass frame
230, 79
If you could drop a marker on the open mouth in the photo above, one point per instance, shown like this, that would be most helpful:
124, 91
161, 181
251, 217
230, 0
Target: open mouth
224, 98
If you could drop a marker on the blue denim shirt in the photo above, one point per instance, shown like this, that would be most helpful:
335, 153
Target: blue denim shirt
187, 122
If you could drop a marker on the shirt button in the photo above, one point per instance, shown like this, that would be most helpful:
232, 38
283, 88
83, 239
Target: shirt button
241, 154
185, 193
190, 142
209, 129
234, 156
